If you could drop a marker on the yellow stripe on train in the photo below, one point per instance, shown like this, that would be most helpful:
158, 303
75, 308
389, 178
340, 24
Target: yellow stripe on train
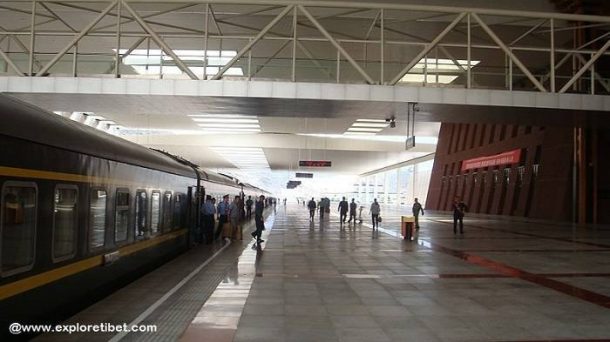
48, 277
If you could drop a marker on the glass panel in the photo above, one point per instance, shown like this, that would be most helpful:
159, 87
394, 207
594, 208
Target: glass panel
179, 206
167, 211
97, 218
121, 222
18, 227
140, 228
64, 222
155, 212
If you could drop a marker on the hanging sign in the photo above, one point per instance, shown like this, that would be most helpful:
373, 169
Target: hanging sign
315, 163
504, 158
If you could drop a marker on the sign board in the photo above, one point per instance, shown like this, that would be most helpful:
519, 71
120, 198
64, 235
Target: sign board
304, 175
504, 158
292, 184
315, 163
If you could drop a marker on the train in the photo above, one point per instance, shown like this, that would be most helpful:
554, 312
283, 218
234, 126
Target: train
84, 212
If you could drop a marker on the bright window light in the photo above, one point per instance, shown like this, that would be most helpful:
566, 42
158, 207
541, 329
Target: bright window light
148, 62
418, 78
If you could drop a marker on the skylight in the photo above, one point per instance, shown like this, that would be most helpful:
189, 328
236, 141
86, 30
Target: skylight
154, 61
437, 70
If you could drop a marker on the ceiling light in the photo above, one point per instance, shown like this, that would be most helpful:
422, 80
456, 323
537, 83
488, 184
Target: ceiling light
364, 124
370, 120
228, 125
361, 129
222, 120
358, 133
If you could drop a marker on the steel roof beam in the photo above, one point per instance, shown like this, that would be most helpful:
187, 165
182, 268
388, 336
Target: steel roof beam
509, 53
11, 63
584, 68
252, 42
387, 6
427, 49
76, 39
168, 50
336, 45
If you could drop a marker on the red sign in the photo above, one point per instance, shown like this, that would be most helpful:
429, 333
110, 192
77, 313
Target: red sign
510, 157
315, 163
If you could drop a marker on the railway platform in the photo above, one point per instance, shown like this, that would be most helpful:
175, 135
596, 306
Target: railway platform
326, 281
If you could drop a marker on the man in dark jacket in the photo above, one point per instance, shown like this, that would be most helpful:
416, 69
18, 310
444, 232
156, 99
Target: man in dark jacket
258, 219
343, 207
416, 209
459, 208
249, 203
352, 211
312, 208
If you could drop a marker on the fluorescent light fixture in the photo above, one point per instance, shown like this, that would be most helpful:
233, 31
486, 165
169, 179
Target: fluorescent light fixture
231, 130
228, 125
359, 133
226, 120
251, 158
370, 120
364, 124
361, 129
221, 116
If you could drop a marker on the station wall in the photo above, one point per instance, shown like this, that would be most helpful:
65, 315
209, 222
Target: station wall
538, 186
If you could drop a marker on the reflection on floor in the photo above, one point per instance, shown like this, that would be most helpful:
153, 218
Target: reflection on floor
322, 281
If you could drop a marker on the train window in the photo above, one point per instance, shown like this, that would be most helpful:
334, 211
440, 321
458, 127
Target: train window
65, 216
179, 205
167, 211
97, 218
141, 224
155, 212
19, 201
121, 220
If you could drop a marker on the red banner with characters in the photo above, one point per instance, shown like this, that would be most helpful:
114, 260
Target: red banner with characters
509, 157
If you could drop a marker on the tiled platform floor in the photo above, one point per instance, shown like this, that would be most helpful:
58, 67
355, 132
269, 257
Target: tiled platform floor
500, 281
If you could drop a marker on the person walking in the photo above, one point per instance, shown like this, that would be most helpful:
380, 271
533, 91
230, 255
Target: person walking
321, 208
459, 209
375, 211
352, 211
249, 204
235, 215
343, 208
416, 209
223, 214
258, 219
312, 208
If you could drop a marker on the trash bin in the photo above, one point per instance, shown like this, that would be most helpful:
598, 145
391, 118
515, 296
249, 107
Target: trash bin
407, 227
